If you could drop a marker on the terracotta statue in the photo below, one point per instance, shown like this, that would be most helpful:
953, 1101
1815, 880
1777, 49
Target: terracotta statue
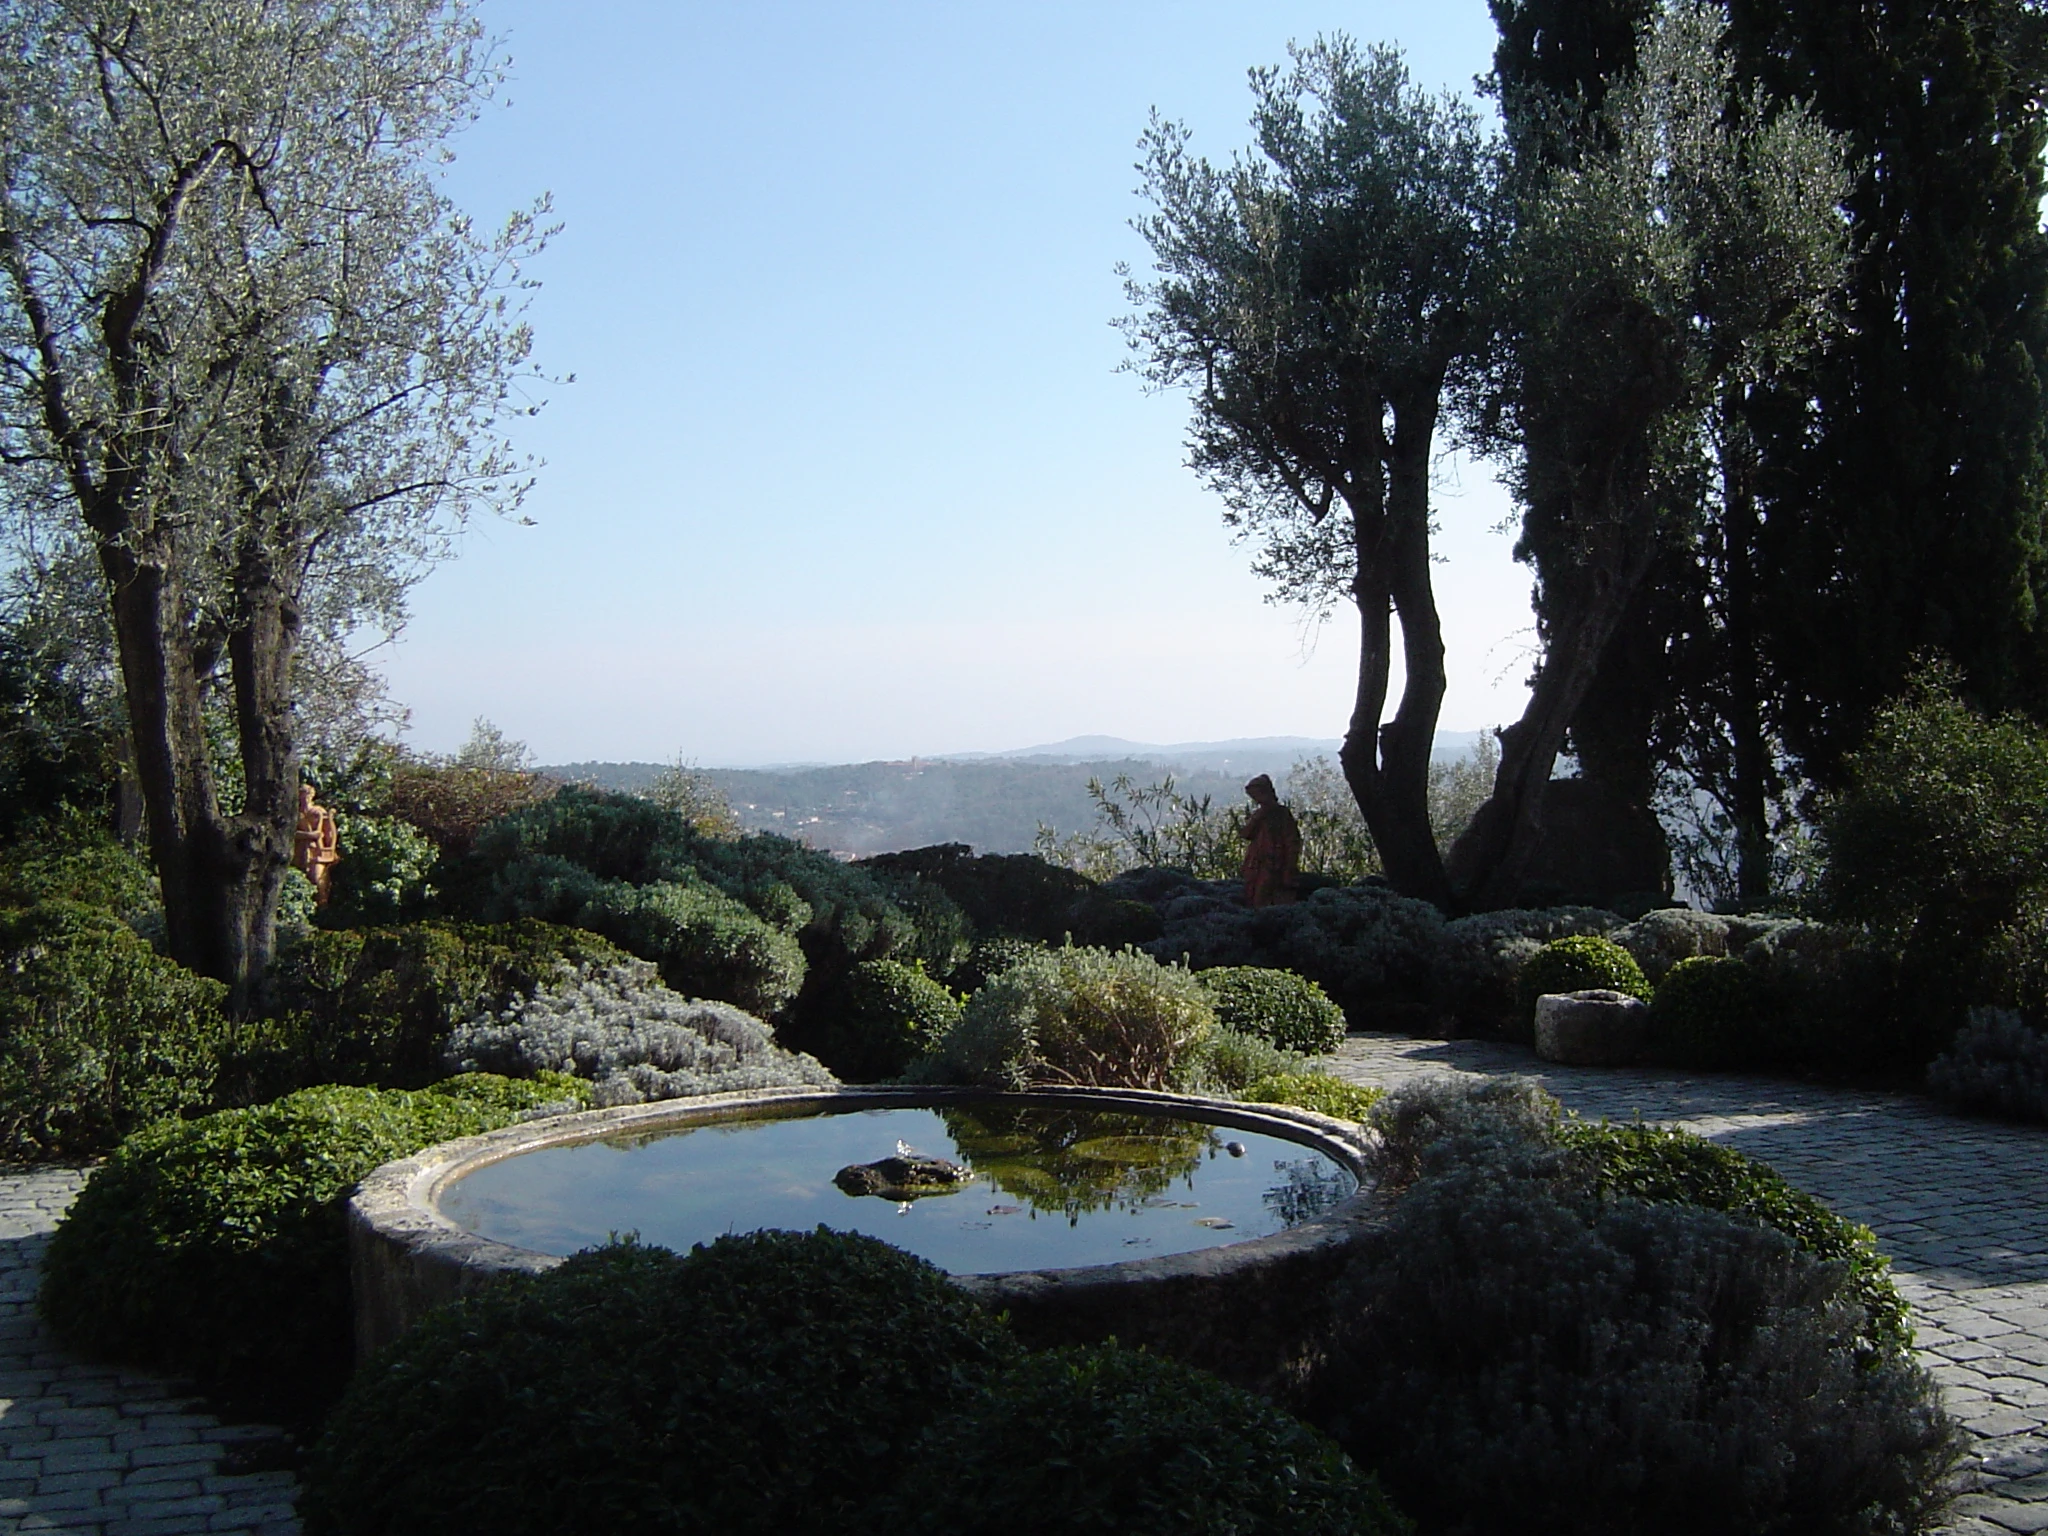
315, 843
1272, 847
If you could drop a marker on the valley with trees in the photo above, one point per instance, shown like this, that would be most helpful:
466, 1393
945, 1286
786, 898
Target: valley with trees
1748, 306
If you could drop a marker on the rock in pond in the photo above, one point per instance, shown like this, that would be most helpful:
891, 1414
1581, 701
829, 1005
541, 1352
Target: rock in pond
1596, 1028
904, 1177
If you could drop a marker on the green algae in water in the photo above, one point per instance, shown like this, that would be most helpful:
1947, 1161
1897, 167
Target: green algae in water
1053, 1188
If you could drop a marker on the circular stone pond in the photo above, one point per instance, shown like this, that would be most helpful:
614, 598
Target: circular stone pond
1190, 1223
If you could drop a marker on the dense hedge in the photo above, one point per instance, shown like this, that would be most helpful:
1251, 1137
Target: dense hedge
216, 1248
1289, 1010
1015, 894
772, 1382
98, 1033
70, 859
1997, 1064
704, 942
376, 1005
1526, 1349
1121, 1443
887, 1015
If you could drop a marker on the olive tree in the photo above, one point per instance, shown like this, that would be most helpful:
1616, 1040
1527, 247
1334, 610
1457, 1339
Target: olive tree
253, 355
1315, 297
1692, 241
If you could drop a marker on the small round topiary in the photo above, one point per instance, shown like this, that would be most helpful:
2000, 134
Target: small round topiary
1116, 1441
1580, 962
770, 1382
1289, 1010
1707, 1012
217, 1248
889, 1014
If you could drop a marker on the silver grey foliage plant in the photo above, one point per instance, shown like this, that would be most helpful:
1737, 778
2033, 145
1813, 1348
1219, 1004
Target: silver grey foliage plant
633, 1038
1998, 1062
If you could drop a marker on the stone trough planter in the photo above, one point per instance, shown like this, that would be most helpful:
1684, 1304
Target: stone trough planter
1244, 1310
1596, 1028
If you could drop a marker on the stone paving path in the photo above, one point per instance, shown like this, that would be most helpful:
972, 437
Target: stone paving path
1960, 1205
88, 1449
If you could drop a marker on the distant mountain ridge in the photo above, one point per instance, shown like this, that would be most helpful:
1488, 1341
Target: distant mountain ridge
993, 801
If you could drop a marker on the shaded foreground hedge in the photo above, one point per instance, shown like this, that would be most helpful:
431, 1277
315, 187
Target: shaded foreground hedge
772, 1382
216, 1248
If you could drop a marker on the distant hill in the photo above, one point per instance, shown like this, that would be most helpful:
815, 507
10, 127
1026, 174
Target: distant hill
991, 801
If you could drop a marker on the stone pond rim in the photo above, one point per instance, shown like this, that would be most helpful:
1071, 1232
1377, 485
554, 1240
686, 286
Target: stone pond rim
1244, 1310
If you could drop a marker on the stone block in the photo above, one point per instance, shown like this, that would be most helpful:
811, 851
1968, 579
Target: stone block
1597, 1028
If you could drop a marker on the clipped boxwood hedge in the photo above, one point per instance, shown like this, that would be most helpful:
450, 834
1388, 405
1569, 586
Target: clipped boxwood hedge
1708, 1012
1653, 1162
771, 1382
1289, 1010
98, 1033
1580, 962
1124, 1443
216, 1248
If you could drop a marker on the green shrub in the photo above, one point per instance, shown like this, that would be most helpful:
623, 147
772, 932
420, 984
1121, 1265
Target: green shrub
1015, 894
383, 873
988, 959
1322, 1092
704, 943
771, 1382
1108, 921
1581, 962
376, 1005
1938, 845
1128, 1444
216, 1248
98, 1033
1996, 1063
1709, 1012
1478, 962
70, 858
1649, 1162
1226, 1062
1518, 1353
1289, 1010
1075, 1016
888, 1014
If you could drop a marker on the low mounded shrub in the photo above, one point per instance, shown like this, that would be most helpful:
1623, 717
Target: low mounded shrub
1516, 1353
771, 1382
68, 858
988, 959
888, 1014
1660, 939
705, 943
1997, 1063
217, 1248
1322, 1092
1649, 1162
631, 1037
1226, 1062
1289, 1010
1015, 894
1477, 970
376, 1005
1581, 962
1708, 1012
98, 1033
1117, 1441
1073, 1015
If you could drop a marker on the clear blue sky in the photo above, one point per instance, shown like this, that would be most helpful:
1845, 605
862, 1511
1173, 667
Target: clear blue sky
848, 470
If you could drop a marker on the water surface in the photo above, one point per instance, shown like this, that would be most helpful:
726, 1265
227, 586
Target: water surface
1053, 1188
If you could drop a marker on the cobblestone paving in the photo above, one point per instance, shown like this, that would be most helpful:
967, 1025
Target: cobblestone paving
87, 1449
1960, 1205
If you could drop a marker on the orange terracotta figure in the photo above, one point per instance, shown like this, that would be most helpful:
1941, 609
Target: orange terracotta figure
1272, 847
316, 843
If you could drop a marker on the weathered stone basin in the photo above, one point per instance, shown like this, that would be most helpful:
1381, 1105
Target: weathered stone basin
1244, 1309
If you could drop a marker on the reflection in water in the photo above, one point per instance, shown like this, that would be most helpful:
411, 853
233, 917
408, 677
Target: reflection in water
1312, 1186
1071, 1162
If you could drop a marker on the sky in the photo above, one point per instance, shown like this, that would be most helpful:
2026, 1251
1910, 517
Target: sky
848, 469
